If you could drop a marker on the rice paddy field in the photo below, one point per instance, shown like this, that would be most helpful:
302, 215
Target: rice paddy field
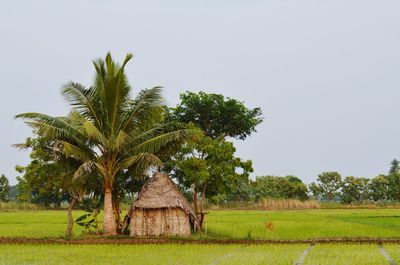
235, 224
195, 254
232, 224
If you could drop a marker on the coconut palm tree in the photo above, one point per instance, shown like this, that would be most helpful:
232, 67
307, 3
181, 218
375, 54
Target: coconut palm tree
108, 131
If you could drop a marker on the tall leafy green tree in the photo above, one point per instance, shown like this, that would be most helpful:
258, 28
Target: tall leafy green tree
209, 167
4, 188
108, 131
216, 115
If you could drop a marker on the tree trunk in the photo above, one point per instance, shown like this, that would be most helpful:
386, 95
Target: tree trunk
203, 195
109, 226
117, 214
196, 209
68, 232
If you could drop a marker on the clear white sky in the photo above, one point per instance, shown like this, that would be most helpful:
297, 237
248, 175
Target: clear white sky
326, 73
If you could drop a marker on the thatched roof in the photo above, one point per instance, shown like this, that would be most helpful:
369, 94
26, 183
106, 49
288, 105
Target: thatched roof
161, 192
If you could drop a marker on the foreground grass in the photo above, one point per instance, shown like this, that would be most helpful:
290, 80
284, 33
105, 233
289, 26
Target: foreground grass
332, 254
394, 252
345, 254
291, 225
149, 254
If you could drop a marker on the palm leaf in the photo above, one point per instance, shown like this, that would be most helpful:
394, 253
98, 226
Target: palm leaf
82, 100
155, 144
144, 160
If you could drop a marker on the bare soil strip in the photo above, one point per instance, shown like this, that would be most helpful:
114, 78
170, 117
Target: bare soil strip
388, 258
303, 257
138, 241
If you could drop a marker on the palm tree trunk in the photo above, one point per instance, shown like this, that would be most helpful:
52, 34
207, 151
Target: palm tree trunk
109, 222
68, 232
117, 214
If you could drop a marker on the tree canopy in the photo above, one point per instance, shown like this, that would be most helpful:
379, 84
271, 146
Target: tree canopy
4, 188
216, 115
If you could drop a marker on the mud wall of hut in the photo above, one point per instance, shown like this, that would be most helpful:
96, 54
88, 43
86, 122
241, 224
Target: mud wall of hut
160, 222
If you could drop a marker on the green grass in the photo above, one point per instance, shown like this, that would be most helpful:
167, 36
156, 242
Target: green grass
149, 254
394, 252
302, 224
345, 254
305, 224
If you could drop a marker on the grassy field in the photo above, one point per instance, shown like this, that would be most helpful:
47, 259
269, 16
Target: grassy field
194, 254
291, 225
306, 224
345, 254
232, 224
149, 254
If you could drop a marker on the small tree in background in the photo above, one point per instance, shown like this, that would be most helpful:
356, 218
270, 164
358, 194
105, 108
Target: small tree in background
394, 187
289, 187
314, 189
355, 189
379, 188
328, 185
4, 188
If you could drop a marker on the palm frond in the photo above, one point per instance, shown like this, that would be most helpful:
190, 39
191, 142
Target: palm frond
74, 151
93, 133
85, 168
146, 108
144, 160
120, 141
61, 128
82, 100
155, 144
117, 91
22, 147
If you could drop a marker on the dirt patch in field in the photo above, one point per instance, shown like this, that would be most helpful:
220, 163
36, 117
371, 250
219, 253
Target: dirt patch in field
141, 241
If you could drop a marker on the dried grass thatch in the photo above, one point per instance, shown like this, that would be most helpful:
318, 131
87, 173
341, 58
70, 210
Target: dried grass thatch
160, 192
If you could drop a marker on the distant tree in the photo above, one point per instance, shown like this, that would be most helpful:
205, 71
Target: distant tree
355, 189
216, 115
289, 187
379, 188
329, 184
394, 167
297, 189
394, 186
4, 188
314, 189
12, 195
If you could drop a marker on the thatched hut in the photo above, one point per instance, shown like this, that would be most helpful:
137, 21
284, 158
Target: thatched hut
162, 210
